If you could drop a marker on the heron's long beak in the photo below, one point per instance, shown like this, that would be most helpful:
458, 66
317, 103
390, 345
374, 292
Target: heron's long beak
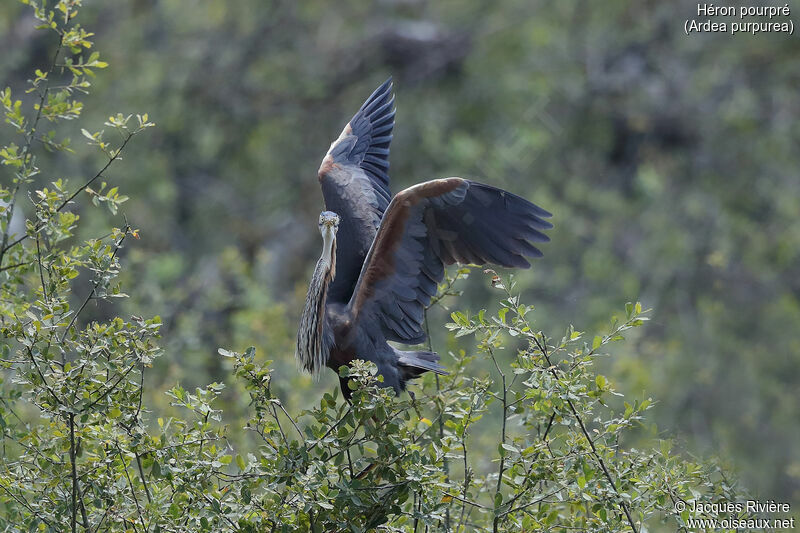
328, 240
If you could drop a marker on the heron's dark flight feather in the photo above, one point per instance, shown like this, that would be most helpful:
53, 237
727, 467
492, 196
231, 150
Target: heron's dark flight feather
355, 184
414, 364
427, 227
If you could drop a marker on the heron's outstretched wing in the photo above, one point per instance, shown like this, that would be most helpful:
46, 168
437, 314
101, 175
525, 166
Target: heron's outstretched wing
431, 225
355, 183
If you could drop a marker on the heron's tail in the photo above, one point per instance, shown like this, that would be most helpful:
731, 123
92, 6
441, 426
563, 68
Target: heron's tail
414, 364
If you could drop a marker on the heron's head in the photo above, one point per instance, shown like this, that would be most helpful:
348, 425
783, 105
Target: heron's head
328, 223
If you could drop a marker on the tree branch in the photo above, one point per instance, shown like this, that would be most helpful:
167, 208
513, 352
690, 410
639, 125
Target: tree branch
66, 202
94, 287
28, 161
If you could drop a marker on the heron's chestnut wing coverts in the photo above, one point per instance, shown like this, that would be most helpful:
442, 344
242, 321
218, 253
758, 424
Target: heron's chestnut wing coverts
427, 227
355, 184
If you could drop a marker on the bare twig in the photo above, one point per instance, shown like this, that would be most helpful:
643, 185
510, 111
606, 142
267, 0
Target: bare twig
66, 202
501, 468
15, 265
110, 388
285, 412
606, 473
466, 501
22, 501
130, 485
95, 286
74, 474
41, 375
28, 161
542, 346
141, 475
41, 269
467, 477
331, 429
445, 462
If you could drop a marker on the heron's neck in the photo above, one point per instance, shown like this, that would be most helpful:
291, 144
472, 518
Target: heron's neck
313, 342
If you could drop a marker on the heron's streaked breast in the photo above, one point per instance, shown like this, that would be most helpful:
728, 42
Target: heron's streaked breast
311, 347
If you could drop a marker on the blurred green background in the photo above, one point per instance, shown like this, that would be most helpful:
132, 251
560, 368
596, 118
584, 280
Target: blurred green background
670, 163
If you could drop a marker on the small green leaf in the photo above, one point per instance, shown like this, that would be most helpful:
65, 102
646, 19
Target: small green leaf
597, 342
225, 353
502, 314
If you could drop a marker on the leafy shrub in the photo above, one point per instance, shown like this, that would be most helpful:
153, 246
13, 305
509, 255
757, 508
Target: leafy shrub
82, 452
407, 463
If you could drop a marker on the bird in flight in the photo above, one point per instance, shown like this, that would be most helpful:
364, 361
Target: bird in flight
383, 258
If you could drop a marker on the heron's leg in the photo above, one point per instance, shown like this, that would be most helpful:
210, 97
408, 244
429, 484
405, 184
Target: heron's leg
346, 392
414, 404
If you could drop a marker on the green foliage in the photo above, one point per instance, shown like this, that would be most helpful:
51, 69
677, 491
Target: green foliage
394, 464
669, 178
71, 393
84, 451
